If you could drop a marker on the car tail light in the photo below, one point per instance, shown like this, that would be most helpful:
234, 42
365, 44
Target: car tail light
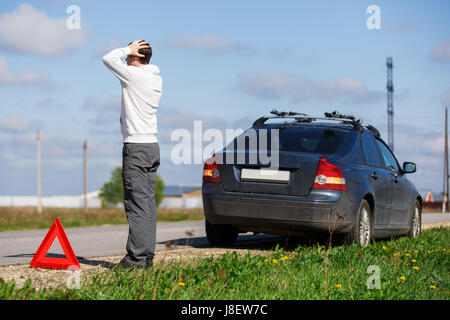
211, 171
329, 177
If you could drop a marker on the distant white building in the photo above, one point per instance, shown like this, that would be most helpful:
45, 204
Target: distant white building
93, 201
174, 197
187, 197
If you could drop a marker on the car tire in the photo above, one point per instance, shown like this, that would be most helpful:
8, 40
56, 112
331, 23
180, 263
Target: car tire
220, 234
362, 230
415, 225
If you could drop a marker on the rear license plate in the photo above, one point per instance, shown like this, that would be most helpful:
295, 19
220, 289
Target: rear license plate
265, 175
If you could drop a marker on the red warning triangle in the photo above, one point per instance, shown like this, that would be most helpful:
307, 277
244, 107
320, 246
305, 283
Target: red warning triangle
41, 261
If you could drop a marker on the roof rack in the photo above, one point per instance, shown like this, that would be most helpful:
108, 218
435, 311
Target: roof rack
337, 115
373, 129
278, 114
284, 113
345, 118
302, 117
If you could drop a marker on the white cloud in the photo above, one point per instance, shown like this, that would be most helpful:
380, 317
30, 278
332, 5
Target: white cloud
29, 30
102, 104
445, 97
427, 151
48, 103
263, 84
211, 43
441, 52
105, 110
406, 26
13, 123
435, 145
17, 124
25, 77
103, 48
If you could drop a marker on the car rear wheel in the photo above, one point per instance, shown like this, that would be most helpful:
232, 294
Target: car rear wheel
416, 221
220, 234
362, 231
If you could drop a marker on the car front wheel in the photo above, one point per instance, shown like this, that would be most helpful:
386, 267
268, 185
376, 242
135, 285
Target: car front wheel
416, 221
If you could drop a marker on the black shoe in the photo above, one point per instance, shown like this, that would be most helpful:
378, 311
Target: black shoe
124, 264
149, 263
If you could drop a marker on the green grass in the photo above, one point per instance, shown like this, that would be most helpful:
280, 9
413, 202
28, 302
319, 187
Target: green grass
27, 218
298, 273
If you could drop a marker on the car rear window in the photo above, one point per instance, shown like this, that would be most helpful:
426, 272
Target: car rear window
296, 139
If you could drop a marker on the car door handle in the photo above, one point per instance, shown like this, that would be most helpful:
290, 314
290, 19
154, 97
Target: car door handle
375, 175
395, 177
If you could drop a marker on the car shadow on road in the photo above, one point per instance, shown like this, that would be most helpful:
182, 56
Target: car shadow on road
248, 241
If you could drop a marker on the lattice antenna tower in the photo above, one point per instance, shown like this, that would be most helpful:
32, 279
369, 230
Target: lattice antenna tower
390, 103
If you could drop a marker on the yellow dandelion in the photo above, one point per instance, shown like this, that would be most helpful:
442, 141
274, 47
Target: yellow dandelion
395, 254
416, 252
339, 285
285, 258
407, 254
428, 251
402, 278
181, 284
416, 268
413, 260
267, 260
433, 287
384, 248
274, 261
334, 275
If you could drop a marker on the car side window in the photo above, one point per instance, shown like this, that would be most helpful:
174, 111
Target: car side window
358, 153
388, 158
371, 155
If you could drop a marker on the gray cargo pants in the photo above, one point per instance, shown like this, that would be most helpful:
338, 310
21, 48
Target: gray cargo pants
139, 164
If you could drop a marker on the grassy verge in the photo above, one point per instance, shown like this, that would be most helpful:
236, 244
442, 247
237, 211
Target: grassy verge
409, 269
13, 218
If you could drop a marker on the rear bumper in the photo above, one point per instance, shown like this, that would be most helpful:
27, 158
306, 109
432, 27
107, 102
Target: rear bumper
278, 214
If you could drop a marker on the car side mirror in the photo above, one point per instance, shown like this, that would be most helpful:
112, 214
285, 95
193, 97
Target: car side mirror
409, 167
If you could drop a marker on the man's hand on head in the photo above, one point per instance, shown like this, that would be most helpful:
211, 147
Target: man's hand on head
136, 45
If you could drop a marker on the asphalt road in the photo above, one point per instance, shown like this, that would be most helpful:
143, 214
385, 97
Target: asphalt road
19, 247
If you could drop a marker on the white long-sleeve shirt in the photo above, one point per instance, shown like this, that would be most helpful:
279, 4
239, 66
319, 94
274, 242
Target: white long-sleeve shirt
141, 92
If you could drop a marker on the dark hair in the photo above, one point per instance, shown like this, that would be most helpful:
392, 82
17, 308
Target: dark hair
147, 52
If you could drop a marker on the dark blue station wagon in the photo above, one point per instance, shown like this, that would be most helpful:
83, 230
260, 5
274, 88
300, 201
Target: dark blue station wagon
292, 174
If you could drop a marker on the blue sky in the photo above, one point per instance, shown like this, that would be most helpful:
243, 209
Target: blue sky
225, 63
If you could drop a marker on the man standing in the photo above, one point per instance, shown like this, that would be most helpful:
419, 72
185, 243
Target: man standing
141, 91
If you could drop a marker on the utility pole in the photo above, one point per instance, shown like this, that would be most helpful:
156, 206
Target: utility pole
445, 188
85, 175
390, 103
38, 138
